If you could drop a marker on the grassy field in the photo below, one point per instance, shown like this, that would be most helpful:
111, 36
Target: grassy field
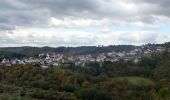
137, 81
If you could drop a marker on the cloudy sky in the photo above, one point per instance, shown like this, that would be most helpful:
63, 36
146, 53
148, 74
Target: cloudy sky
83, 22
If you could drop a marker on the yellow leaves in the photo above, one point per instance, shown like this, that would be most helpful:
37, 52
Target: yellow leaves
59, 71
63, 75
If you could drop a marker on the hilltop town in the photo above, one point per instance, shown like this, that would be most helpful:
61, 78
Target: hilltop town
53, 59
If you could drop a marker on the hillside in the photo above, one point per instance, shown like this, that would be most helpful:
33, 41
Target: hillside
31, 51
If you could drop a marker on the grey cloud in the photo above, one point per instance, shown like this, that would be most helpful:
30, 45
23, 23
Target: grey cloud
37, 12
162, 6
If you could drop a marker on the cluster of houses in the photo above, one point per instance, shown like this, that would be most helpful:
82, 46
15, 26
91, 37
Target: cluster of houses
46, 60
